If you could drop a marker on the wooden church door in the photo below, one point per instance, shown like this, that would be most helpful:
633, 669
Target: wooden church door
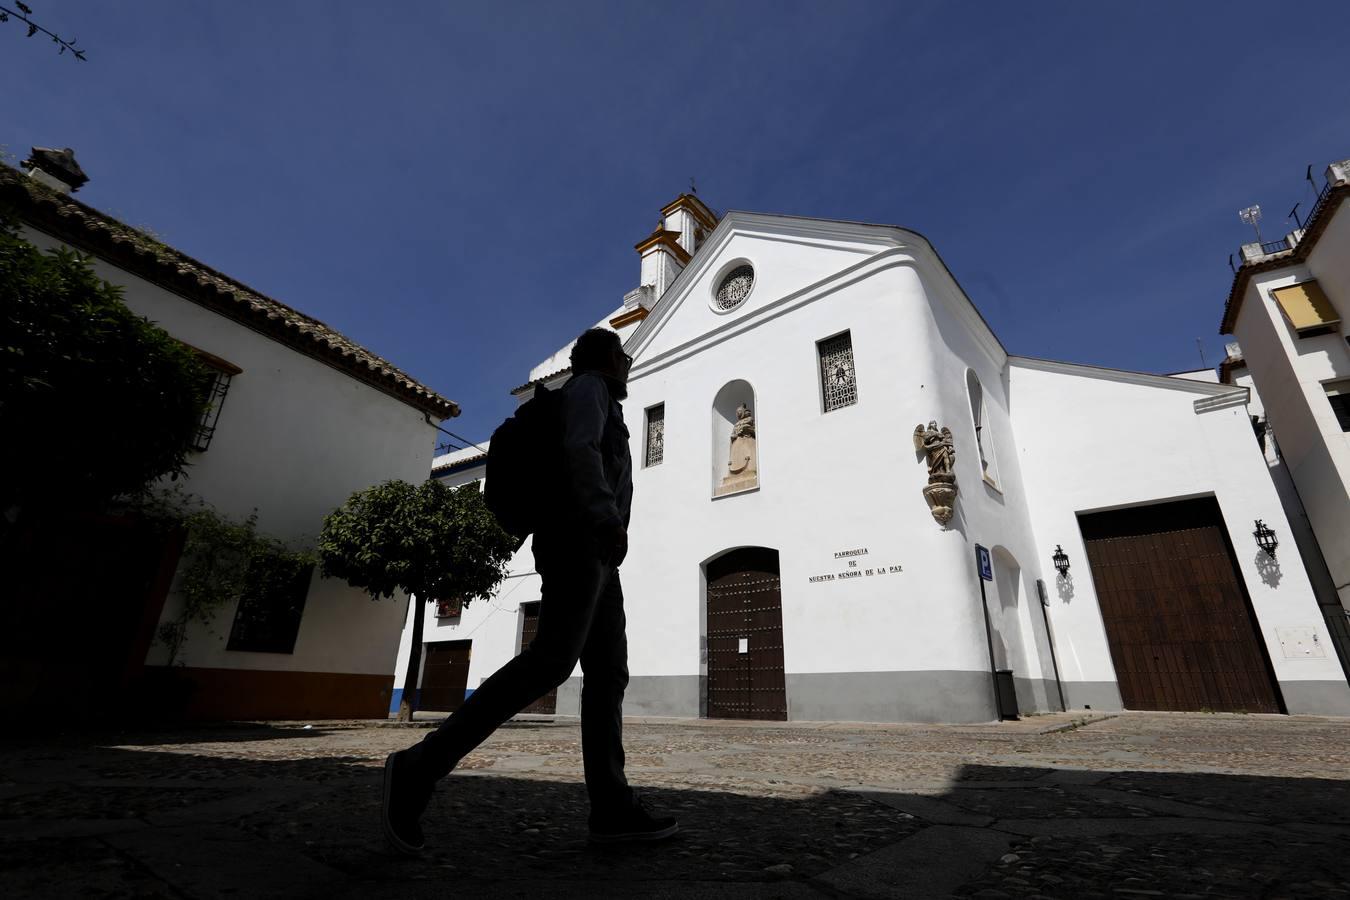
745, 637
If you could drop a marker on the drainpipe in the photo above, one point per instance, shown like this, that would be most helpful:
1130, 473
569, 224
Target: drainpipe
1050, 639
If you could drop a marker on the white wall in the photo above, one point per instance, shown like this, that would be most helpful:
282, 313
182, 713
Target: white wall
1089, 441
1289, 372
294, 439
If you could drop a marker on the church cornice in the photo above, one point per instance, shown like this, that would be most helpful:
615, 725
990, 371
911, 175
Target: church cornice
697, 208
629, 317
668, 240
894, 245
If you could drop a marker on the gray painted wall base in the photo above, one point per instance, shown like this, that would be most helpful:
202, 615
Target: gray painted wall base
569, 697
939, 696
935, 696
1036, 695
1094, 695
1316, 698
953, 696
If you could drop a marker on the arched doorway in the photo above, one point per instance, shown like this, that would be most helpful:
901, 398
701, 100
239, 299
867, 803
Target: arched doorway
745, 636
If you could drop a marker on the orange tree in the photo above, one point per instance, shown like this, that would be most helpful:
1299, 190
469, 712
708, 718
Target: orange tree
429, 541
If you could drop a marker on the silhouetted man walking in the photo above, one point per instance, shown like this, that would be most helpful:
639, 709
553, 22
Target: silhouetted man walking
577, 556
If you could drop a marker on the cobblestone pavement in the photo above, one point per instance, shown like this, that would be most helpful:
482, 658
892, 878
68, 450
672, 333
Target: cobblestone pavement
1086, 805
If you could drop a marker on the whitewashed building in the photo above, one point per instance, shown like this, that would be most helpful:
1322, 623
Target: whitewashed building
797, 551
301, 418
1287, 307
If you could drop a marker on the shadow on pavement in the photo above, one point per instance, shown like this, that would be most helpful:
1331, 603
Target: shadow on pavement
149, 822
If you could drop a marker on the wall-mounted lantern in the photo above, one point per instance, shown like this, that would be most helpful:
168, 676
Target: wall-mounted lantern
1265, 538
1061, 560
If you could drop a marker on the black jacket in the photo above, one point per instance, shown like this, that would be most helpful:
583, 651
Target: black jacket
596, 459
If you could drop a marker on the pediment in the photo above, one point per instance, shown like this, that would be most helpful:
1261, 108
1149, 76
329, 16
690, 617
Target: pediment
789, 257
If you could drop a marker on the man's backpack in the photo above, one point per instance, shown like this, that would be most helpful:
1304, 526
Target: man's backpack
524, 465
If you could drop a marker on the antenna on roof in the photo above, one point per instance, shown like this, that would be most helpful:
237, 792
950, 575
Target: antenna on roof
693, 188
1201, 347
1252, 215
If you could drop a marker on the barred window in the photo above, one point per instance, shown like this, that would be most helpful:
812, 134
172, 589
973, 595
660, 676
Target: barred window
215, 387
838, 381
449, 609
271, 606
656, 435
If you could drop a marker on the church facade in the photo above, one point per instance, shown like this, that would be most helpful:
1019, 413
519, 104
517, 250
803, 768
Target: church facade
852, 503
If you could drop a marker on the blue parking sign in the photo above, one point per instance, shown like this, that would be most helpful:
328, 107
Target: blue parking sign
985, 564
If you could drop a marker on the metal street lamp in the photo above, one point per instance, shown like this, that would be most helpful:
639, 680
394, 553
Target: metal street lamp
1061, 560
1265, 538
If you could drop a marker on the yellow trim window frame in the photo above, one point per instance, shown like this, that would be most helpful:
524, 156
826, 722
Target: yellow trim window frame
1307, 308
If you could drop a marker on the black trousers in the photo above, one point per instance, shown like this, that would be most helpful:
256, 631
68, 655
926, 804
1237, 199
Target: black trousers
580, 618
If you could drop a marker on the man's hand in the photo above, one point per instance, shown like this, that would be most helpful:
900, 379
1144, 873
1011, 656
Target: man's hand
613, 544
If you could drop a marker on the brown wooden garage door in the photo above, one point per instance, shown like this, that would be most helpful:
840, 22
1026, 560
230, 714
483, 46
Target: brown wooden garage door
547, 704
745, 637
1178, 620
445, 675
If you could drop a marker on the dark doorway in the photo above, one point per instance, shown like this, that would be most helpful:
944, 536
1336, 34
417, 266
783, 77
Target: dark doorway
745, 637
82, 596
1177, 615
445, 675
547, 704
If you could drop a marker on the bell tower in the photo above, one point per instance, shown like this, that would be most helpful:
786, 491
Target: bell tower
685, 223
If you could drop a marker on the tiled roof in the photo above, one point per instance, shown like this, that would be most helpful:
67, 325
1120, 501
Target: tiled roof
86, 228
543, 379
459, 464
1313, 229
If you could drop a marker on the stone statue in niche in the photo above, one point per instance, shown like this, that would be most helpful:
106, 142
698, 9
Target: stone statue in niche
941, 452
742, 462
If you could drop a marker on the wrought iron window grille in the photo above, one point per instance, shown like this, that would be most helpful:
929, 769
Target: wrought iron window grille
838, 379
217, 386
656, 435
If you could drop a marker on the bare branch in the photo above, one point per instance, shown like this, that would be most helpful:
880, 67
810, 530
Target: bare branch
33, 28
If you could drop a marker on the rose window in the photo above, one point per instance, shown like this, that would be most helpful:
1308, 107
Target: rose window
735, 286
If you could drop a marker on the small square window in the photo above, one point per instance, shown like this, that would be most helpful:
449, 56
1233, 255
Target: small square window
655, 451
449, 609
273, 602
838, 380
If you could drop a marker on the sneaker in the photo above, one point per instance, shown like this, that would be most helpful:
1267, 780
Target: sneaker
635, 823
405, 798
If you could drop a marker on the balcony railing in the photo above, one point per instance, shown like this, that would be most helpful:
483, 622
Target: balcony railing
1249, 253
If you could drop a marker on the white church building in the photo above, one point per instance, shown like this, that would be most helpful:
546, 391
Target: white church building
851, 502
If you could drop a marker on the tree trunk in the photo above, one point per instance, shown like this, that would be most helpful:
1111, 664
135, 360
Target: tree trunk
406, 706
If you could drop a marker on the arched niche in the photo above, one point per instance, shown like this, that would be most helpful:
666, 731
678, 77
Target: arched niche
735, 442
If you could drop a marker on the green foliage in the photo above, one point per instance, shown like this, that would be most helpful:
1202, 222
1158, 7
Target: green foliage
223, 561
95, 401
430, 540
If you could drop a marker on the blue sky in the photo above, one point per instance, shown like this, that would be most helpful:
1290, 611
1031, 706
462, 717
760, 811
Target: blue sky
458, 187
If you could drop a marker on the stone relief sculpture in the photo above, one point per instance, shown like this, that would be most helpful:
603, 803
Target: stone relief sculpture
742, 465
941, 489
